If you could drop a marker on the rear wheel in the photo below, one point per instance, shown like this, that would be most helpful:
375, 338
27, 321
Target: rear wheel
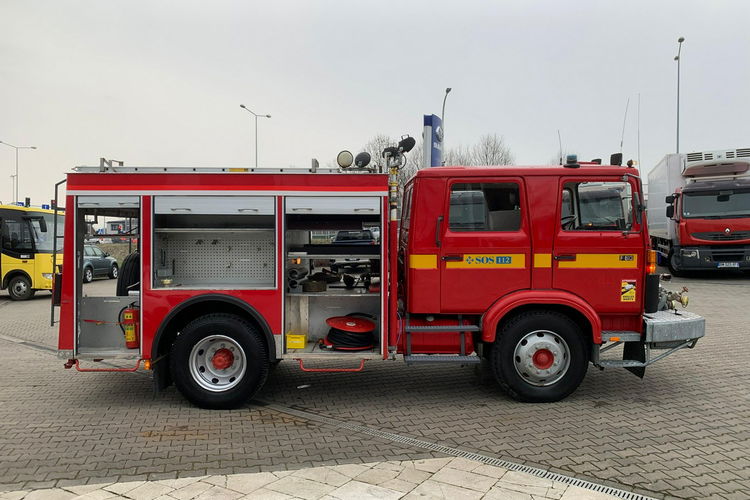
539, 356
219, 361
88, 275
19, 288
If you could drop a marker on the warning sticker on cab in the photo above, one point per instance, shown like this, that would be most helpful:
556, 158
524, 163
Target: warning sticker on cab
484, 261
627, 291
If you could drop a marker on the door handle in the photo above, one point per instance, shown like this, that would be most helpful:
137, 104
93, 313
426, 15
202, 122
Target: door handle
453, 258
565, 257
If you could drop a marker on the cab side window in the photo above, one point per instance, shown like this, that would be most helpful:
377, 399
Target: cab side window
596, 206
485, 207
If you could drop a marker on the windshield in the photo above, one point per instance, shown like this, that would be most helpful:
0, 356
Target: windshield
722, 204
44, 232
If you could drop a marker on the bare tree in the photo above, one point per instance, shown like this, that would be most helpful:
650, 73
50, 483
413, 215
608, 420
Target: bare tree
414, 160
460, 155
491, 150
375, 147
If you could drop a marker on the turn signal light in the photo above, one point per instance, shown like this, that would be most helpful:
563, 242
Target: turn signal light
651, 262
147, 364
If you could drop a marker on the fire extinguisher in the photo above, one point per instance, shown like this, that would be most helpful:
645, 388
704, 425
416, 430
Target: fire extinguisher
129, 325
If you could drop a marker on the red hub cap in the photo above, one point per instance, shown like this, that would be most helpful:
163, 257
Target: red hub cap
543, 359
222, 359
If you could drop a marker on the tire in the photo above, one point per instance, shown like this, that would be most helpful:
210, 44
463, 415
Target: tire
88, 275
114, 271
19, 288
674, 270
539, 357
129, 275
199, 357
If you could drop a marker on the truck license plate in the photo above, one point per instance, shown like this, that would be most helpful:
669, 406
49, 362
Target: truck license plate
728, 264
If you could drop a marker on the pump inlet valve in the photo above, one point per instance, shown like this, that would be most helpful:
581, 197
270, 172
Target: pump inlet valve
669, 300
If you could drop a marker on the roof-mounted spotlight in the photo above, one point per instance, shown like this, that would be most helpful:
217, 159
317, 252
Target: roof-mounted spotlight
362, 160
406, 144
615, 159
345, 159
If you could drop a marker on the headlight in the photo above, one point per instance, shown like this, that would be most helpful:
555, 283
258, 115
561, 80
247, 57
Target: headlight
47, 276
690, 254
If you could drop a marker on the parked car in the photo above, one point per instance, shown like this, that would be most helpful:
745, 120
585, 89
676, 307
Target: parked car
358, 237
98, 263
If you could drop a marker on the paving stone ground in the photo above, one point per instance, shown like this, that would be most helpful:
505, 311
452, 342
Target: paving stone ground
436, 478
682, 432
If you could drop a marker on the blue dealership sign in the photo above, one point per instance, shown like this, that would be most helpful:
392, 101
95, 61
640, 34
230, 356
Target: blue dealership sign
433, 141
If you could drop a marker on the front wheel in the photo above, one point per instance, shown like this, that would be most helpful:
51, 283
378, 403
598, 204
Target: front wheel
113, 272
674, 268
219, 361
19, 288
539, 357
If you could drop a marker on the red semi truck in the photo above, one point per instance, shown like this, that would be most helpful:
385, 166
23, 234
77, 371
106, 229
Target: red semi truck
528, 270
699, 210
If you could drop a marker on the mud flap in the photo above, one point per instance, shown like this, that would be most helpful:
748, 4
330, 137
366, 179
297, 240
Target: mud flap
635, 351
161, 376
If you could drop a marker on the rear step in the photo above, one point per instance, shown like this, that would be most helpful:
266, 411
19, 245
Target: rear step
442, 358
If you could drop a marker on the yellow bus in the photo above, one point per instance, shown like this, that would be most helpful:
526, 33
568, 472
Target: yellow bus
26, 244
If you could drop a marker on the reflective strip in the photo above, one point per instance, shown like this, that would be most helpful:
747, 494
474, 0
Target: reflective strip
542, 260
492, 261
423, 261
602, 261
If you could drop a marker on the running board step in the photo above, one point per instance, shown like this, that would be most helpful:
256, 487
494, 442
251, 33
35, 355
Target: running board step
442, 358
442, 328
620, 336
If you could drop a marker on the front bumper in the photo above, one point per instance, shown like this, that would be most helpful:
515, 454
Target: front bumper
669, 331
704, 258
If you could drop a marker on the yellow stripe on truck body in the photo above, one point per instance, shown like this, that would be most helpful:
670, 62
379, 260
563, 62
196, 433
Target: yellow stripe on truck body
423, 261
542, 260
601, 261
492, 261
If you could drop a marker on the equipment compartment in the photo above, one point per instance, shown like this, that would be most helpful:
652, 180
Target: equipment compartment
327, 276
214, 242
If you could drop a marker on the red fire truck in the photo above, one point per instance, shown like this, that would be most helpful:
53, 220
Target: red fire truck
535, 272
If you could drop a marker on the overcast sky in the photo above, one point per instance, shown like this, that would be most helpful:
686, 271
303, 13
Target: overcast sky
160, 82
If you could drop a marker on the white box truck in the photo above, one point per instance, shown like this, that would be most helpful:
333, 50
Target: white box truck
699, 210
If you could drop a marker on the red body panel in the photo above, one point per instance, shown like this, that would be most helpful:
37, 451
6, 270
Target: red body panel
156, 304
66, 338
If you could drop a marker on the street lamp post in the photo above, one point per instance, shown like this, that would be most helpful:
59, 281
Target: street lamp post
256, 129
677, 58
16, 175
442, 122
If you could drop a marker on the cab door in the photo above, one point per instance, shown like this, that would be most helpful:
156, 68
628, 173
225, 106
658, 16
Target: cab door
17, 245
486, 245
598, 248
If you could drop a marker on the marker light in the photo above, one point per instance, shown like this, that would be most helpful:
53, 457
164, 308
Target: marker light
651, 262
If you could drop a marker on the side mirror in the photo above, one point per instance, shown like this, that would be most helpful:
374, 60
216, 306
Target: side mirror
670, 211
669, 199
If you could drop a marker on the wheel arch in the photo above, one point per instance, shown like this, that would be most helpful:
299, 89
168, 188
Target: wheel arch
195, 307
12, 274
565, 303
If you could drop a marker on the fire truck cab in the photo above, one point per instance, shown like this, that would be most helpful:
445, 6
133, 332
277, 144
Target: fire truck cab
533, 271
